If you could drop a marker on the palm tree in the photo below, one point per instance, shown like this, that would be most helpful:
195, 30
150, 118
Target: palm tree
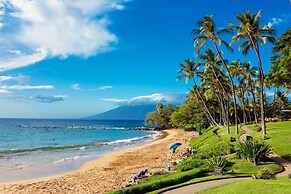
187, 71
207, 32
280, 72
212, 62
213, 93
250, 74
250, 31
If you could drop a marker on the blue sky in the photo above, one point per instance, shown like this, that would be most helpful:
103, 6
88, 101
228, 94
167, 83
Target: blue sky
75, 58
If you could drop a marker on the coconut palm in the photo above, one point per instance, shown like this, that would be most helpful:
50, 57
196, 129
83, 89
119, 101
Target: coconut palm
207, 32
280, 72
250, 74
187, 71
250, 31
212, 62
213, 93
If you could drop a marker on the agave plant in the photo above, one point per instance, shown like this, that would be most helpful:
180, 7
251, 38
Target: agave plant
218, 164
253, 150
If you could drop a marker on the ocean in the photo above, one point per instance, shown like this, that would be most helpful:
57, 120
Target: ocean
31, 148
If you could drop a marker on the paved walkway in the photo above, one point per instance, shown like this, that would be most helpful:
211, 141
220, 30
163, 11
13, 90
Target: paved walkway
197, 187
190, 189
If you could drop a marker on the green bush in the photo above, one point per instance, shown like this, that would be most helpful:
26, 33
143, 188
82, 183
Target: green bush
264, 173
253, 150
190, 163
218, 164
160, 181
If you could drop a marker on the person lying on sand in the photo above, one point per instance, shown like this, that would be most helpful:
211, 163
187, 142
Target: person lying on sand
141, 174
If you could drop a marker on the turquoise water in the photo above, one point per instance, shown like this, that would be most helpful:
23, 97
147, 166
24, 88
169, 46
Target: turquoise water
31, 148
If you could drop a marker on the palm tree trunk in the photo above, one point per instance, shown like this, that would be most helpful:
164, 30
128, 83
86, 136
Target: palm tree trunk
207, 112
227, 115
254, 105
220, 99
261, 77
243, 107
232, 85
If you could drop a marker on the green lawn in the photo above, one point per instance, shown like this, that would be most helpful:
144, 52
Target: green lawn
280, 137
213, 141
281, 185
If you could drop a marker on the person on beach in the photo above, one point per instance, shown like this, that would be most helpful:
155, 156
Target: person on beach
140, 174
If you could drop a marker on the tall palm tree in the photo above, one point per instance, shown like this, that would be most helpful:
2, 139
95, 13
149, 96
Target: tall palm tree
212, 62
280, 72
187, 71
250, 31
211, 85
250, 74
207, 32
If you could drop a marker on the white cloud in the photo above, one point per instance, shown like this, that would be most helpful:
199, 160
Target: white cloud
48, 99
4, 89
102, 88
21, 79
174, 98
276, 21
27, 87
13, 61
75, 86
105, 87
40, 29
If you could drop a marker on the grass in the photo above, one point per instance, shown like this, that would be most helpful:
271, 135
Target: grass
217, 141
196, 180
160, 181
242, 167
239, 167
279, 134
281, 185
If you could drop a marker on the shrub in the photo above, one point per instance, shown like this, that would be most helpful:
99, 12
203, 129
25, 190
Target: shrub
218, 164
253, 150
191, 163
264, 173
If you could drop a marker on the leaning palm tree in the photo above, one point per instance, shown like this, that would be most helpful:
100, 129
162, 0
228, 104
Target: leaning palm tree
250, 31
187, 71
212, 62
207, 32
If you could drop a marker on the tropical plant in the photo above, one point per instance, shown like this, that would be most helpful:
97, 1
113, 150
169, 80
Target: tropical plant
218, 164
280, 72
253, 150
207, 32
250, 31
161, 117
264, 173
215, 83
187, 71
189, 116
250, 74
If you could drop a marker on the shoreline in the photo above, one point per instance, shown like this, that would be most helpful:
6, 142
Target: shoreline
111, 170
87, 165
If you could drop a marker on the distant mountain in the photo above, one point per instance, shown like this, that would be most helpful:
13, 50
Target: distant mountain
128, 112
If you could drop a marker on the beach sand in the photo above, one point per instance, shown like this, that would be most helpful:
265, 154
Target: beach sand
113, 170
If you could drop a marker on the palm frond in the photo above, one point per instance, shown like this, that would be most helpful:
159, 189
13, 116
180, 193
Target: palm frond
227, 45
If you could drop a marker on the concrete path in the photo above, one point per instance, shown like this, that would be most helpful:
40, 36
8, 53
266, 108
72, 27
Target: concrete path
248, 132
197, 187
190, 189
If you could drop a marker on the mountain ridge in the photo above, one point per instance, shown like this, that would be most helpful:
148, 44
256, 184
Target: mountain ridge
126, 112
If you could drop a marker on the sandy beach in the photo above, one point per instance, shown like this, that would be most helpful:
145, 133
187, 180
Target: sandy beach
113, 170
